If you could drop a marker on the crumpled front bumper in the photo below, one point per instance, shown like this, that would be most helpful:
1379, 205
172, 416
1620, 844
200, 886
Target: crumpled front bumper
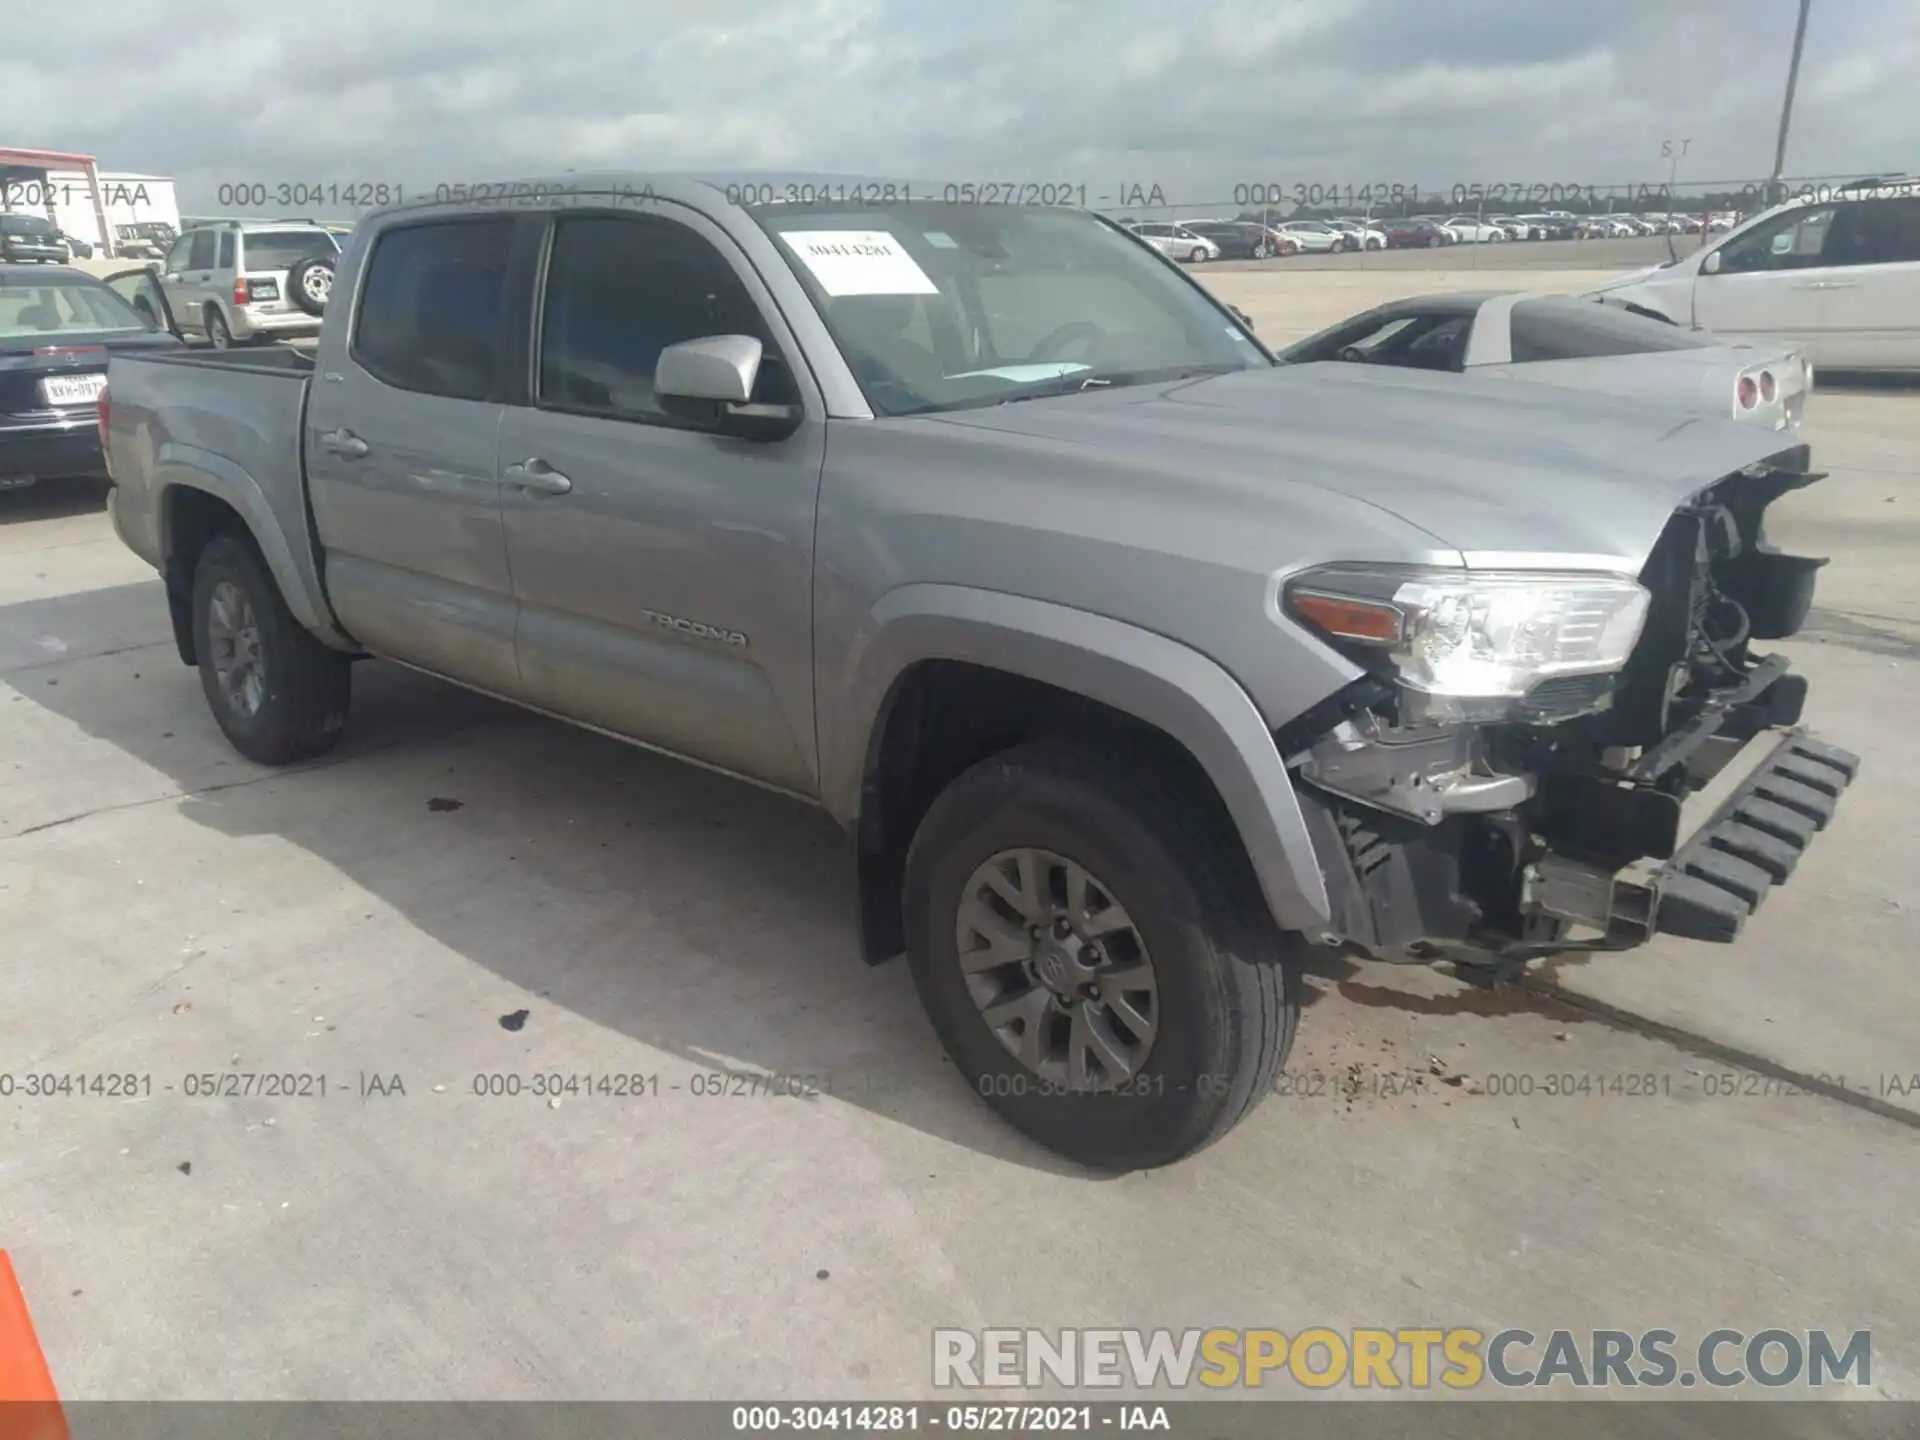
1725, 868
1753, 841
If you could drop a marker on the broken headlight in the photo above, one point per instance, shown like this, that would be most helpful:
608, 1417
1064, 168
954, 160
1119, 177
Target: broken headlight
1481, 645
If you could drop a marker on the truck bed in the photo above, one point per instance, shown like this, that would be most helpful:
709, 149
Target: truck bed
227, 423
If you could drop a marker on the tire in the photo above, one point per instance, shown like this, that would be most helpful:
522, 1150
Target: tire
1227, 981
1434, 241
218, 335
1197, 257
310, 283
299, 707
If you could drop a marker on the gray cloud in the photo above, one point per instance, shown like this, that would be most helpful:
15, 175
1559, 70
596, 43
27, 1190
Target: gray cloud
1194, 98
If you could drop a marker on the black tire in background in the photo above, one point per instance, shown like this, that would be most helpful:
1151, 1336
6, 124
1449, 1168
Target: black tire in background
303, 281
305, 687
1228, 979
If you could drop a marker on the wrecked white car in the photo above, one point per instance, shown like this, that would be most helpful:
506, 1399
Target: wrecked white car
1577, 344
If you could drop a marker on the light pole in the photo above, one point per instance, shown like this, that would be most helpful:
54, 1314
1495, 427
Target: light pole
1786, 106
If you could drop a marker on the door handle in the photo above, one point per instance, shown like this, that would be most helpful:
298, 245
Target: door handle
343, 443
537, 477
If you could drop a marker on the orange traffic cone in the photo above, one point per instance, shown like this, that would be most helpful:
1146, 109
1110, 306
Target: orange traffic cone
29, 1405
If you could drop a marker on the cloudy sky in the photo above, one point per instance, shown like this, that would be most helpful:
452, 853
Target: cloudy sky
1196, 96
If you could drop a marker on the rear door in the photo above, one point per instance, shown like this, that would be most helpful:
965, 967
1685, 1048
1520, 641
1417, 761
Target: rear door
400, 451
189, 274
664, 572
1770, 281
1870, 315
141, 289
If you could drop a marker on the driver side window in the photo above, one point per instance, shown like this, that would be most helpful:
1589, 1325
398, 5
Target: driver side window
620, 289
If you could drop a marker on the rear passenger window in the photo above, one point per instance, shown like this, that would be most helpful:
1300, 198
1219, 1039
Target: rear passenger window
430, 307
1583, 329
226, 250
1890, 231
619, 291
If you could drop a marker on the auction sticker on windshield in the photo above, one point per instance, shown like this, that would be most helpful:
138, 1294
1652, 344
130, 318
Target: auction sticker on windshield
859, 262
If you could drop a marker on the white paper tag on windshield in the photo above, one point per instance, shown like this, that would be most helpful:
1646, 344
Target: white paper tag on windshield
859, 262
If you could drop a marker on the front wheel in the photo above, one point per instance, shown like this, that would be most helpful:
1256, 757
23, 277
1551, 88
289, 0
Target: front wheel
277, 693
1096, 956
1196, 256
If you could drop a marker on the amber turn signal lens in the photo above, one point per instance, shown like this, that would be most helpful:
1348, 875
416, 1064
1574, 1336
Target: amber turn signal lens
1347, 619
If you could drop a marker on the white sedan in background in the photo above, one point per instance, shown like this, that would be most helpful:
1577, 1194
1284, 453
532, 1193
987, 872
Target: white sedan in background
1176, 241
1312, 236
1473, 230
1361, 233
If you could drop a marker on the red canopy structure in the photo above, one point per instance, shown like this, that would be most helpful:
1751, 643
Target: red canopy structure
39, 162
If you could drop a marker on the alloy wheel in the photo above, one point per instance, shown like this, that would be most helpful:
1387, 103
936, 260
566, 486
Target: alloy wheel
233, 632
1058, 969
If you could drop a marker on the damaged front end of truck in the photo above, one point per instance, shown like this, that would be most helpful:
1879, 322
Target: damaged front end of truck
1539, 762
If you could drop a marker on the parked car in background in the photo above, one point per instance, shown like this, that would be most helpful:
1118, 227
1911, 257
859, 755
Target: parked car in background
1422, 234
250, 281
1546, 226
1176, 241
1361, 234
1604, 227
58, 330
1840, 278
1313, 237
1473, 230
1374, 661
30, 240
76, 246
1513, 227
1234, 239
145, 239
1576, 343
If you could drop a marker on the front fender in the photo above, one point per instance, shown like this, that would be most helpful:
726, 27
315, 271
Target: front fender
181, 465
1156, 680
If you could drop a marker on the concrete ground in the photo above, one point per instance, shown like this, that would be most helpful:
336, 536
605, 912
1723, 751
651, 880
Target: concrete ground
464, 891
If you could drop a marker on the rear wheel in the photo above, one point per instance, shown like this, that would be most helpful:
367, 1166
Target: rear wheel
277, 693
1096, 956
218, 335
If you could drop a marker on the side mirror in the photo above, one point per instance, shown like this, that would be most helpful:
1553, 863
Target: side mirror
1711, 265
711, 381
1242, 316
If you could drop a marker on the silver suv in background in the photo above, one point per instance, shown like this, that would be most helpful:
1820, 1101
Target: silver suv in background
236, 282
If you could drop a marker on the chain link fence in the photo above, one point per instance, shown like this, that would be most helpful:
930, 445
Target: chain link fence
1604, 225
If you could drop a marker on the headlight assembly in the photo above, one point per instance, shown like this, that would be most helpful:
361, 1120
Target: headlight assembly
1474, 644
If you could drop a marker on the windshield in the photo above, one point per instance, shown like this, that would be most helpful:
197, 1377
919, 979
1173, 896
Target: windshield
283, 249
938, 307
28, 311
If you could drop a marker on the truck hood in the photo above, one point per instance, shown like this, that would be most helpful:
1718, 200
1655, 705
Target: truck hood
1507, 475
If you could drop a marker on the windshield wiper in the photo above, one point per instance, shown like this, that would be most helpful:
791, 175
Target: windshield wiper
1075, 383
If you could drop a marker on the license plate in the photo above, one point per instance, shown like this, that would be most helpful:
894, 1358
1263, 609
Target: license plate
264, 289
73, 389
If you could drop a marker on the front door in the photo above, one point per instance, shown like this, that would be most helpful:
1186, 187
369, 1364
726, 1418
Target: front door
664, 572
400, 453
1770, 281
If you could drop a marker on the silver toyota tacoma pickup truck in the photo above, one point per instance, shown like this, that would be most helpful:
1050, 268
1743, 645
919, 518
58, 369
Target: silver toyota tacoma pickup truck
1135, 664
